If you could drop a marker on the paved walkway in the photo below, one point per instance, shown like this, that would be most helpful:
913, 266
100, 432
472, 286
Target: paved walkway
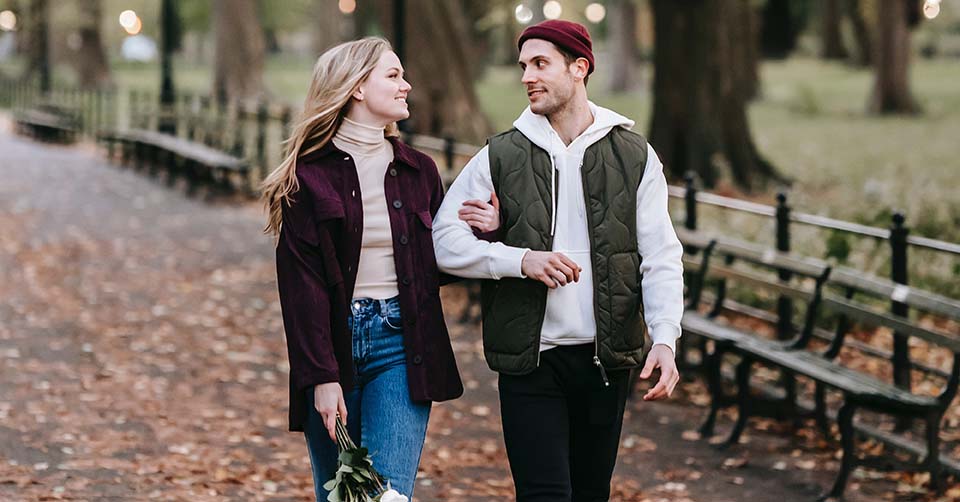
142, 357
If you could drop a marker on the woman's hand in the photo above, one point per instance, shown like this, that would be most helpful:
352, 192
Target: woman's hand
328, 400
483, 216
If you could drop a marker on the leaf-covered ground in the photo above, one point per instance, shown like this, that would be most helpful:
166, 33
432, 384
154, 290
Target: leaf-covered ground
142, 357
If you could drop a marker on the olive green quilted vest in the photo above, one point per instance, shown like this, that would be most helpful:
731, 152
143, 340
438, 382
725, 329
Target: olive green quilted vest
513, 308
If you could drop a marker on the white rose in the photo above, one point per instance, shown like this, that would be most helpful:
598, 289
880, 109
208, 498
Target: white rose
392, 495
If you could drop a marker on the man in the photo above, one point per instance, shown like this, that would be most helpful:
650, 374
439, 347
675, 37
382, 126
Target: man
583, 206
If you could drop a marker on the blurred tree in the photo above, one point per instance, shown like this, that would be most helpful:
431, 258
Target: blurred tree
93, 69
329, 26
831, 18
238, 64
782, 22
537, 7
699, 120
622, 37
861, 32
37, 43
891, 85
441, 65
748, 73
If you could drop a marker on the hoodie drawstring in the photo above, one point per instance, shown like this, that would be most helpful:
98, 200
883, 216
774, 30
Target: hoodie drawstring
553, 186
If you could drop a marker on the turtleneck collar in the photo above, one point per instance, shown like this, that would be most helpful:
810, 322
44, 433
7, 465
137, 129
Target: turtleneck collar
360, 139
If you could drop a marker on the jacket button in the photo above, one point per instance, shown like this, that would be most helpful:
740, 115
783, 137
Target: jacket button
404, 240
393, 172
406, 281
397, 204
349, 268
356, 228
417, 359
353, 193
346, 158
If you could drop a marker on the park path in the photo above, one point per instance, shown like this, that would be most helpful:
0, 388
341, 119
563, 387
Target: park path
142, 357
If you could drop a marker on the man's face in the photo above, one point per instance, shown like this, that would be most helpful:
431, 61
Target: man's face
549, 81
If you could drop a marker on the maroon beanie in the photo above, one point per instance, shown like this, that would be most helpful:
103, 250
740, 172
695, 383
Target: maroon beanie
571, 37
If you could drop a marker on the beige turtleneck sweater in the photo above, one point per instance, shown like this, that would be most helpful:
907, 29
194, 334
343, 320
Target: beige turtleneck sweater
372, 153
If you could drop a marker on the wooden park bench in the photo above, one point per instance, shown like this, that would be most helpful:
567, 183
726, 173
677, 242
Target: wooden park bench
198, 163
830, 365
47, 122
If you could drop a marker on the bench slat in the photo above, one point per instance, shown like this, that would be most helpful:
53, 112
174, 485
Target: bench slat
899, 324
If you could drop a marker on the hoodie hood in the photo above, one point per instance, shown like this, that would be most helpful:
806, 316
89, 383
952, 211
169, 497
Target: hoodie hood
538, 129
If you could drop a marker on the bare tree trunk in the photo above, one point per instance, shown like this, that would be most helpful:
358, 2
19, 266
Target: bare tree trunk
238, 62
624, 70
699, 120
441, 67
749, 50
891, 87
537, 7
91, 64
38, 43
780, 29
831, 16
861, 32
330, 26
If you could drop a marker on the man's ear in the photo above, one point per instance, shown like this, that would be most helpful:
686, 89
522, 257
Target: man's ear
581, 67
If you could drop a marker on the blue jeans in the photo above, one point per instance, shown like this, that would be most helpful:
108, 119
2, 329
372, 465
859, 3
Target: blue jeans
380, 414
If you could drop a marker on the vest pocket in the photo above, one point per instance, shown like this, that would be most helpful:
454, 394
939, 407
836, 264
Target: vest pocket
628, 327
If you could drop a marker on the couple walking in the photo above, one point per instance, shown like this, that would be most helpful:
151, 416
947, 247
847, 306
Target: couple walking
565, 218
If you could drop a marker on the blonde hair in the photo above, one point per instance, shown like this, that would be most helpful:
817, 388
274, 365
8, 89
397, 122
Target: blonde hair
336, 76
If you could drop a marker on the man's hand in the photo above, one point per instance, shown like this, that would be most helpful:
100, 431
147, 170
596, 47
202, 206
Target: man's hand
484, 216
552, 269
328, 400
660, 356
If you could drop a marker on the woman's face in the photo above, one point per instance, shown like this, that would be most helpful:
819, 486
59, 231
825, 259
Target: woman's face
382, 98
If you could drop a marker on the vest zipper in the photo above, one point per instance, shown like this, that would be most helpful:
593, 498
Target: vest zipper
603, 372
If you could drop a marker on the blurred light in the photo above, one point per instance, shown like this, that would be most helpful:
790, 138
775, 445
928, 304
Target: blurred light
523, 13
8, 20
595, 13
552, 9
348, 6
128, 19
931, 8
135, 29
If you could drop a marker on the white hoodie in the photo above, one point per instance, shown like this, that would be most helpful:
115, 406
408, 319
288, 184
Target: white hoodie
570, 316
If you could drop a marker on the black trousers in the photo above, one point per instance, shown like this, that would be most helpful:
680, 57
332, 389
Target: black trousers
561, 426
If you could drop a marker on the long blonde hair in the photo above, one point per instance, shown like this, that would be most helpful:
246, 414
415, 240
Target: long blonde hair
336, 76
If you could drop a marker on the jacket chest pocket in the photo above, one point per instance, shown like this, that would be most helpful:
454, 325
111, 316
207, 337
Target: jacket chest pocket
419, 237
330, 218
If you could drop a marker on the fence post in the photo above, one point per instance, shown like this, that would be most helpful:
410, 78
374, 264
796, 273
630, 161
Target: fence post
262, 112
448, 144
690, 197
285, 118
898, 273
784, 304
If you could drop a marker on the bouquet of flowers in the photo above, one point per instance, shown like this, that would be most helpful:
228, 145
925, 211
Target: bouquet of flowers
356, 479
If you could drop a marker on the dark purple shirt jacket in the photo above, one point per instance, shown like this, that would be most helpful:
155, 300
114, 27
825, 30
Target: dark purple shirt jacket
317, 257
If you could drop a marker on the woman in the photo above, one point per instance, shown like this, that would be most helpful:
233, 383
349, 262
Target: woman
359, 286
